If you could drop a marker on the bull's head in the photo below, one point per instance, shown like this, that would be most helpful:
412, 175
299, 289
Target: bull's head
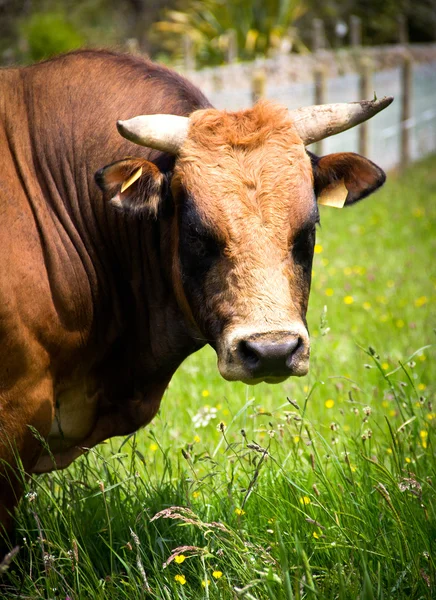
245, 195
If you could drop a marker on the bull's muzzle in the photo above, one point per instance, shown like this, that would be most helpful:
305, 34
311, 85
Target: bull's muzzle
268, 356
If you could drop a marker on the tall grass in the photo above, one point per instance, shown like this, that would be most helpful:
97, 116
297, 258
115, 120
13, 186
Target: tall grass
317, 488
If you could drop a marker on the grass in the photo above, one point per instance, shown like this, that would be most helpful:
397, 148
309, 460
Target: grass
322, 487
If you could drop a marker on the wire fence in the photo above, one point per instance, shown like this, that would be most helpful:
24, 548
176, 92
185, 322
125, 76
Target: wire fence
395, 136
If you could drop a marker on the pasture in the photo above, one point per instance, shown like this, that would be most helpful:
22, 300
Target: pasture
321, 487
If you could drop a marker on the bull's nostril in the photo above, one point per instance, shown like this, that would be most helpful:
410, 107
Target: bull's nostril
248, 355
269, 356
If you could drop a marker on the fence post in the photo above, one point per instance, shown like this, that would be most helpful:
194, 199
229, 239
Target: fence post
188, 53
406, 108
403, 34
232, 46
366, 92
320, 97
318, 35
355, 31
258, 85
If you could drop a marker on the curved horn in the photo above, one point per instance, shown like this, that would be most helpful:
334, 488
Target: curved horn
314, 123
162, 132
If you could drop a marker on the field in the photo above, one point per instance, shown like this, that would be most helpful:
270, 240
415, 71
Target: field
321, 487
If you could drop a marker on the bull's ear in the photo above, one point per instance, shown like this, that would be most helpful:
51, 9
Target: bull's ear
345, 178
134, 185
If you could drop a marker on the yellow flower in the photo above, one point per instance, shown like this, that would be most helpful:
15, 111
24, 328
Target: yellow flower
385, 366
348, 299
315, 535
421, 301
385, 403
219, 406
217, 574
329, 403
296, 439
318, 249
389, 450
421, 387
399, 323
407, 459
392, 413
205, 393
367, 305
430, 416
180, 558
154, 447
226, 412
423, 433
348, 271
424, 444
305, 389
329, 292
196, 439
195, 494
305, 500
205, 582
239, 512
180, 579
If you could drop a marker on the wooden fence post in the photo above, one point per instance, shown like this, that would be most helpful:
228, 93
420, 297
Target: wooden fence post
188, 53
406, 108
355, 31
403, 34
232, 46
318, 35
258, 85
320, 97
366, 93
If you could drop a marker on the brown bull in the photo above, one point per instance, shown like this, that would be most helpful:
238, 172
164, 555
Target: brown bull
205, 236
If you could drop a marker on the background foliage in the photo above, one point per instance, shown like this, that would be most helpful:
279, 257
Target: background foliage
31, 29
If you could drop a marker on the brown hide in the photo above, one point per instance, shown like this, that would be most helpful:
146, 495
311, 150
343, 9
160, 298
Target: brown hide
78, 279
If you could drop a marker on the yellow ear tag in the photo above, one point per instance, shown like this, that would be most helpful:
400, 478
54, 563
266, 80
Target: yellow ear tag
136, 175
334, 195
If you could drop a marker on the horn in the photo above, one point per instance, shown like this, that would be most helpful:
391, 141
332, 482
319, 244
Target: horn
314, 123
162, 132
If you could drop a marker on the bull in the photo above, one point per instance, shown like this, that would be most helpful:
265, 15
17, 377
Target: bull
199, 230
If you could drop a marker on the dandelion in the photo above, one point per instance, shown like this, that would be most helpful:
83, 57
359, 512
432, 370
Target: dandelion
329, 403
348, 299
318, 249
305, 500
217, 574
421, 301
329, 292
179, 559
180, 579
205, 582
239, 512
205, 393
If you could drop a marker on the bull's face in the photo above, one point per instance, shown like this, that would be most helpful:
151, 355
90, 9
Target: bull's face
244, 192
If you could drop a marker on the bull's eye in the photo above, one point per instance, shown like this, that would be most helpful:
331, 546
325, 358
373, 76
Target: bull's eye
302, 247
199, 248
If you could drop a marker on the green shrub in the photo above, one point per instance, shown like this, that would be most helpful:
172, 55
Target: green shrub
48, 34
